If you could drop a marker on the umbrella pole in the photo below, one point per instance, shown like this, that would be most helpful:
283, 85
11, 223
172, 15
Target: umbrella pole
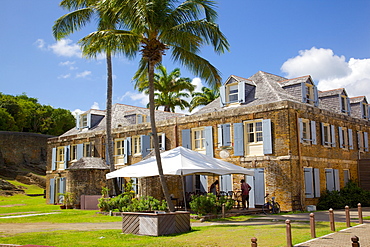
183, 190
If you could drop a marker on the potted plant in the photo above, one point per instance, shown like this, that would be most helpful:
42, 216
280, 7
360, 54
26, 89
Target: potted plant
68, 200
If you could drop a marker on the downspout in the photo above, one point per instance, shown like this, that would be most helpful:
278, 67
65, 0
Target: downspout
299, 156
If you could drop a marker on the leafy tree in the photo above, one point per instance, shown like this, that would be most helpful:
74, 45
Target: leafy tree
203, 98
170, 89
25, 114
153, 27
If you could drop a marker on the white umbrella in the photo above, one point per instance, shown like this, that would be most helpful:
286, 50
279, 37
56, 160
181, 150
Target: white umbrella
180, 161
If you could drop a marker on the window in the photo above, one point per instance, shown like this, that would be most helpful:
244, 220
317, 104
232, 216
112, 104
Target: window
233, 93
364, 110
307, 131
119, 151
344, 104
60, 158
198, 140
345, 138
252, 137
136, 145
328, 135
141, 118
363, 142
73, 152
88, 150
312, 182
309, 94
332, 179
161, 141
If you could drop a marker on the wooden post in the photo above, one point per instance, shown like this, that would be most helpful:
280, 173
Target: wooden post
331, 219
348, 218
312, 225
223, 210
288, 233
360, 219
254, 242
355, 241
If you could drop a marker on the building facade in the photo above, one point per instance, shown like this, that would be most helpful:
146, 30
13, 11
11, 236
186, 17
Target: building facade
300, 141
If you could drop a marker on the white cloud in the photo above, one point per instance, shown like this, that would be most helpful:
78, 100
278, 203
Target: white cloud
142, 98
83, 74
95, 106
69, 64
77, 112
331, 71
40, 43
64, 76
66, 48
198, 83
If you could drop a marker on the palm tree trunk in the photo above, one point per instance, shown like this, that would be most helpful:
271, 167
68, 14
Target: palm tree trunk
155, 137
108, 120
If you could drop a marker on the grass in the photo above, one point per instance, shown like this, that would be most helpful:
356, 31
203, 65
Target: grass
218, 235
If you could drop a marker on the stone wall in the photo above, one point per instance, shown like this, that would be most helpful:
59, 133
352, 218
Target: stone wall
21, 153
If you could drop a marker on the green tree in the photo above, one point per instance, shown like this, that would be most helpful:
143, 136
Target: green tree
153, 27
83, 12
170, 89
203, 98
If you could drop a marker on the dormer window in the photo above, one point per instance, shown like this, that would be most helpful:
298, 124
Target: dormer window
233, 93
364, 110
141, 118
83, 121
344, 104
309, 94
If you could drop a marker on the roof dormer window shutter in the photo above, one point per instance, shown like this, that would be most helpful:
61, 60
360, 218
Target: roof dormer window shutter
241, 92
342, 107
222, 96
304, 92
88, 120
316, 96
348, 106
78, 121
363, 113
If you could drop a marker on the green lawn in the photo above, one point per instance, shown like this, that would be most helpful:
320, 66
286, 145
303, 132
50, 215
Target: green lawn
219, 235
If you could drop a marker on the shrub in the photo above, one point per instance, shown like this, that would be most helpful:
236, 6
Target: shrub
350, 196
209, 204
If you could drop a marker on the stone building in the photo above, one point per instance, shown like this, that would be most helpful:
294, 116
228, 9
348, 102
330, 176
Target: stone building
300, 141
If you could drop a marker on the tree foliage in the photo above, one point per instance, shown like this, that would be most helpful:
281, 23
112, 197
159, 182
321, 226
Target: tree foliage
24, 114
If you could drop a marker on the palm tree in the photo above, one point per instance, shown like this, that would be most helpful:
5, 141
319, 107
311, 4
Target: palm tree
170, 89
157, 26
83, 12
203, 98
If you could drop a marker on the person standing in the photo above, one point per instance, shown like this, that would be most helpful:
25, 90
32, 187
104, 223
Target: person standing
213, 189
245, 194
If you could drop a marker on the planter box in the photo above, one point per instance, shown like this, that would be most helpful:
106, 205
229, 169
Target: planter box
155, 223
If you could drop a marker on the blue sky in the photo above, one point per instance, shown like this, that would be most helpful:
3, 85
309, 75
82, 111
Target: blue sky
330, 40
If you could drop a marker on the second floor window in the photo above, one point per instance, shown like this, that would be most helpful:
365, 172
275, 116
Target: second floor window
60, 158
88, 150
345, 138
254, 132
74, 152
198, 139
136, 145
307, 131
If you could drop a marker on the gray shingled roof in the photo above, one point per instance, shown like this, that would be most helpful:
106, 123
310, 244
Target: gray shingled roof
89, 163
119, 111
332, 92
357, 99
294, 81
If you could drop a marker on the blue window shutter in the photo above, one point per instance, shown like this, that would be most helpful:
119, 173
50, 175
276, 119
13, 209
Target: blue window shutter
222, 96
322, 134
145, 145
330, 186
304, 93
238, 139
209, 140
266, 136
226, 184
300, 123
241, 91
350, 139
317, 181
363, 115
340, 137
53, 158
89, 120
203, 183
333, 142
148, 118
66, 156
163, 136
313, 132
186, 138
368, 112
78, 121
139, 118
316, 95
336, 179
308, 182
226, 135
80, 151
52, 191
126, 149
220, 142
340, 103
348, 107
366, 141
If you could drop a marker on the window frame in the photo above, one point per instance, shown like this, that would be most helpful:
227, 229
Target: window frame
119, 150
136, 145
228, 93
88, 149
73, 152
201, 140
257, 142
60, 158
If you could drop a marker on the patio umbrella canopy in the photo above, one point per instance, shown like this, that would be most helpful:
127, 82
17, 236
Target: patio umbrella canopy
180, 161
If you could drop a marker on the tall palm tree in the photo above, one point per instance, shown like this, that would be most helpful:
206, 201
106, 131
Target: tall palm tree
203, 98
83, 12
170, 89
157, 26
